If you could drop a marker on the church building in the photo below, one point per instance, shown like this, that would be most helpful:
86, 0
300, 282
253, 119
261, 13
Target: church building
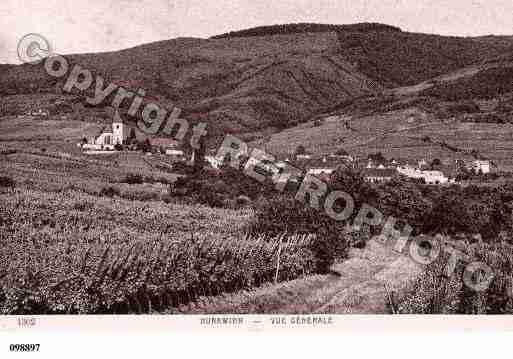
109, 136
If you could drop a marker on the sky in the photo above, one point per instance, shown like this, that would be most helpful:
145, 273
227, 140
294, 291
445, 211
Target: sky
78, 26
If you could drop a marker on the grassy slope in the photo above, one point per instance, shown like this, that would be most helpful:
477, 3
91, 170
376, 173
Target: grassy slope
49, 146
397, 122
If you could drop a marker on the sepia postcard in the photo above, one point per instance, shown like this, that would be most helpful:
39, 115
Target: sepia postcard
256, 165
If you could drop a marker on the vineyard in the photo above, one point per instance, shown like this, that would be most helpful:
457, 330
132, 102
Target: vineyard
71, 252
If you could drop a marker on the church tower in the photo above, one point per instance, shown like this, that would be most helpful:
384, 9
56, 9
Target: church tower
119, 134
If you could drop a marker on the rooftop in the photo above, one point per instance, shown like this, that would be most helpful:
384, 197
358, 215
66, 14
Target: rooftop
378, 172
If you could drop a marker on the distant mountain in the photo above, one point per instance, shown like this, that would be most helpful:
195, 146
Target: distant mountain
271, 78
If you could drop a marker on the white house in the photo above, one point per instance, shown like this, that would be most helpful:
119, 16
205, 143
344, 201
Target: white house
320, 171
422, 164
343, 157
434, 177
430, 177
173, 149
482, 165
377, 175
174, 152
214, 161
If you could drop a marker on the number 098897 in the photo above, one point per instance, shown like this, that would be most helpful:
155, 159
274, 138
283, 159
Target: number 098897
24, 347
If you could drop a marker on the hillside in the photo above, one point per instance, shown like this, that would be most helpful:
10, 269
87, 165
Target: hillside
463, 114
301, 28
267, 79
237, 85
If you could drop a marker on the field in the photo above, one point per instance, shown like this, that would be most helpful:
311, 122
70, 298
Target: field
397, 134
79, 235
71, 252
68, 248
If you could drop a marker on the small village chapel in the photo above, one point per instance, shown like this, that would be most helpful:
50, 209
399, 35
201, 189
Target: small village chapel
110, 136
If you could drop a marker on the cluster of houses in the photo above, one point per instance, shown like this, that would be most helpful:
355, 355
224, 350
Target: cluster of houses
38, 113
383, 170
119, 133
375, 170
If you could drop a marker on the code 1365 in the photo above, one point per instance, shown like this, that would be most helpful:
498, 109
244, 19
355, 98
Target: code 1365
24, 347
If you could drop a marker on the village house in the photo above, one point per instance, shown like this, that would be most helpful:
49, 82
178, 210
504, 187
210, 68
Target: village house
380, 164
324, 166
214, 162
321, 171
434, 177
378, 175
347, 158
38, 113
174, 152
483, 166
429, 177
303, 157
169, 147
423, 164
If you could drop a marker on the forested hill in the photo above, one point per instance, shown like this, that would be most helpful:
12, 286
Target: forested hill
271, 78
306, 27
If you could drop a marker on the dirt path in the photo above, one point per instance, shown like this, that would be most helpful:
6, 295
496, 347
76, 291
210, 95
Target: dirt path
357, 286
369, 278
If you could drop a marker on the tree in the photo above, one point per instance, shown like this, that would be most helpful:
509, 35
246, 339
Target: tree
435, 163
351, 181
377, 157
341, 152
144, 146
199, 155
131, 137
300, 150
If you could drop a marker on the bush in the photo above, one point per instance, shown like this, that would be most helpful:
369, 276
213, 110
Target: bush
283, 214
243, 200
220, 188
436, 293
132, 178
300, 150
149, 179
8, 151
109, 192
7, 182
464, 106
163, 180
141, 196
